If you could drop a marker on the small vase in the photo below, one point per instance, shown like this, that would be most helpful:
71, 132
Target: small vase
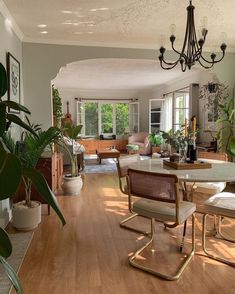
183, 149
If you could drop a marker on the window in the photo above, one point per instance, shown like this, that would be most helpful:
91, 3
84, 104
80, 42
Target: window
181, 108
156, 115
170, 112
91, 118
107, 125
99, 117
122, 118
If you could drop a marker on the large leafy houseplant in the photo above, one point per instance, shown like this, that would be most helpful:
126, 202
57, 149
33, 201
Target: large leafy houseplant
226, 125
72, 182
11, 173
72, 131
28, 151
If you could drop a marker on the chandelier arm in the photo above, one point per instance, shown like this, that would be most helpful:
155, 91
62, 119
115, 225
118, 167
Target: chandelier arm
206, 67
215, 61
170, 63
167, 68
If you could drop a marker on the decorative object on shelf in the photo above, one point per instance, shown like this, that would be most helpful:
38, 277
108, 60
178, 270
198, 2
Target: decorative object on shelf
13, 69
213, 95
191, 51
57, 107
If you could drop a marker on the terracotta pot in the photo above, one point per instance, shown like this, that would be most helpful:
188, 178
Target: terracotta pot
26, 218
71, 185
156, 149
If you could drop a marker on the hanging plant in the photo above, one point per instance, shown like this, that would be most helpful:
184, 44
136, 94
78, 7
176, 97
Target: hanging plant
214, 95
57, 106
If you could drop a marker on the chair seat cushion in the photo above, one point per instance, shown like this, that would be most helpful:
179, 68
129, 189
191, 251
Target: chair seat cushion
208, 188
221, 204
163, 211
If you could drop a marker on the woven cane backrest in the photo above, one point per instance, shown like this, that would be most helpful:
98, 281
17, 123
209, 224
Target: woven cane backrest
213, 155
153, 186
124, 162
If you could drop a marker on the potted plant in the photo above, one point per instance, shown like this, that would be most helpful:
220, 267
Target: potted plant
225, 122
156, 141
57, 107
11, 173
72, 182
26, 214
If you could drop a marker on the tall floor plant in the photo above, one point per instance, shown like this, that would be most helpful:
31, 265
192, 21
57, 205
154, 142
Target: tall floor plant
11, 173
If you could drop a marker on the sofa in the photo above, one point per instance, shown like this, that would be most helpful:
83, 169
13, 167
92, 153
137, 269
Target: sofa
142, 141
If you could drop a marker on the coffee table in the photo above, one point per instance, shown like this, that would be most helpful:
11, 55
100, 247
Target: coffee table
107, 153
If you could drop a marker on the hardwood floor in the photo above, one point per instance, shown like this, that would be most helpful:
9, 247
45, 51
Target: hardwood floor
90, 254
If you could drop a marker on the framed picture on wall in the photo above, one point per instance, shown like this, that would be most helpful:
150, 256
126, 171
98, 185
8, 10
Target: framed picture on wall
13, 70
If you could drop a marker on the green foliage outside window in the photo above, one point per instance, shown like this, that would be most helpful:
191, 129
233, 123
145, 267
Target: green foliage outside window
107, 118
122, 118
91, 119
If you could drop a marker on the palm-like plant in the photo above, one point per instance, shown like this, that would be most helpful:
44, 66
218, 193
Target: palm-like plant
29, 151
72, 132
11, 173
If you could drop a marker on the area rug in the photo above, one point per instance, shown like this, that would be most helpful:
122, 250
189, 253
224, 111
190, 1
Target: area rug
20, 243
108, 165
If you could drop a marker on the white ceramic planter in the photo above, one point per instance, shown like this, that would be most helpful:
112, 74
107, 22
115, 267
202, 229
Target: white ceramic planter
72, 185
26, 218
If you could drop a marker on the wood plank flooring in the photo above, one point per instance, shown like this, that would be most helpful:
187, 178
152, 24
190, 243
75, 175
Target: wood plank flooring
90, 254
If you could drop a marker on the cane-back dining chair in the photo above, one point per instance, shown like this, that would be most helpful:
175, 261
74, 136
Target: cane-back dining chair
159, 200
123, 163
221, 205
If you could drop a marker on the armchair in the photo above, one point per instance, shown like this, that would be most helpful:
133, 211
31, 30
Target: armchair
142, 141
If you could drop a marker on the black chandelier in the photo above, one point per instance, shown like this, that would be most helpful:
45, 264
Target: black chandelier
192, 49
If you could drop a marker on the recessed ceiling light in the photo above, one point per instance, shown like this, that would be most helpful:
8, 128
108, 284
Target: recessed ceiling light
67, 22
91, 25
103, 8
89, 32
41, 25
44, 32
93, 9
66, 11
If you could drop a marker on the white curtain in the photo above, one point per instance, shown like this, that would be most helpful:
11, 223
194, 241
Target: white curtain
166, 115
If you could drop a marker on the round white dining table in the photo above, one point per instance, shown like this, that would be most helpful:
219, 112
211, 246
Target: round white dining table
220, 171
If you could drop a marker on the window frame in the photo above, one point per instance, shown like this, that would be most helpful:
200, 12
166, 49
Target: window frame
80, 114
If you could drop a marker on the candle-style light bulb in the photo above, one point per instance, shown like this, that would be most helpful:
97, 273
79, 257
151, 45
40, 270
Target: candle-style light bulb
172, 29
223, 37
162, 40
204, 22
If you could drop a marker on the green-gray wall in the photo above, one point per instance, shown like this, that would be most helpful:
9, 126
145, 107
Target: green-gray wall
9, 43
41, 63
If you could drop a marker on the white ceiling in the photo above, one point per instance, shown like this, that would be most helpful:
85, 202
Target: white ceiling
115, 74
125, 23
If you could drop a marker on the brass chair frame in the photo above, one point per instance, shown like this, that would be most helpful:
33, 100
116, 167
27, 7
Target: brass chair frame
219, 234
134, 215
132, 259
